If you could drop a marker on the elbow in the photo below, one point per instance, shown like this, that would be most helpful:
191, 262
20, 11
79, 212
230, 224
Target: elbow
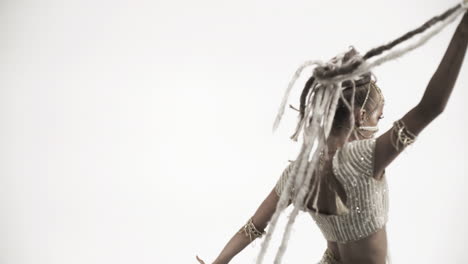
431, 111
437, 110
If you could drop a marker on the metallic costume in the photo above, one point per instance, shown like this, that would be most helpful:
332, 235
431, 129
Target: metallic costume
366, 209
367, 198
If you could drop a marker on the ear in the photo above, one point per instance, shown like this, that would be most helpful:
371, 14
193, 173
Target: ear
360, 115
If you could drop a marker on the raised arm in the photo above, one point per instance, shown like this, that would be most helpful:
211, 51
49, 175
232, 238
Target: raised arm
432, 103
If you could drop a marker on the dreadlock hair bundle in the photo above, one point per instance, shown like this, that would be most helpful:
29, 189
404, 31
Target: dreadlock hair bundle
328, 72
319, 102
290, 86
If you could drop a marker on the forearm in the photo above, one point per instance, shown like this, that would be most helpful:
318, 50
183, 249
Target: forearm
235, 245
253, 229
442, 82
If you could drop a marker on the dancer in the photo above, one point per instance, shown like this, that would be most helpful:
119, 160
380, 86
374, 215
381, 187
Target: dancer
339, 175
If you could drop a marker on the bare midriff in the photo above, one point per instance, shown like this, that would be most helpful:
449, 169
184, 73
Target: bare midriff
369, 250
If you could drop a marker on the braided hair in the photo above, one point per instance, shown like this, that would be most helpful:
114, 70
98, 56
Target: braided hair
328, 98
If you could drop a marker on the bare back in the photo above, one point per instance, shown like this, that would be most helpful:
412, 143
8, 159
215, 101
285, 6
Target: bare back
369, 250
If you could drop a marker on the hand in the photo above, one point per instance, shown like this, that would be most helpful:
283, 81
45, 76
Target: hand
200, 260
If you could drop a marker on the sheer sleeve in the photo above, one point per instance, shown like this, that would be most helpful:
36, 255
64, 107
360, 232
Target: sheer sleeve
282, 181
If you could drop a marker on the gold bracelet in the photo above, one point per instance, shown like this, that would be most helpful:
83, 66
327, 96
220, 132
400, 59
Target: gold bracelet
251, 231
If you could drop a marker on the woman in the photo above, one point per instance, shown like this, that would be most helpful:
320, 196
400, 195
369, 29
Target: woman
351, 203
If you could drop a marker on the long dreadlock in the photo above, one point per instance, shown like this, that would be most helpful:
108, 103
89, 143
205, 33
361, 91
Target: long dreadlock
318, 104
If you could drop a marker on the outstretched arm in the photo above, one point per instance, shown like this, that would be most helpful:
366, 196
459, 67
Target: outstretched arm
433, 101
240, 240
260, 220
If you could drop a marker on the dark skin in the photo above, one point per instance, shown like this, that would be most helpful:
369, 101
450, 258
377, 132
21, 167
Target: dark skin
372, 249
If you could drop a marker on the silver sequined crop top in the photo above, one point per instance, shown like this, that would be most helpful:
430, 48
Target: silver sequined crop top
367, 198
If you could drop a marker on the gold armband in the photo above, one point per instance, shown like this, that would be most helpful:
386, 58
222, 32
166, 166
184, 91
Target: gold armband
251, 231
401, 137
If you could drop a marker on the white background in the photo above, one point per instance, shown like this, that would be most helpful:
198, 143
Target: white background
140, 131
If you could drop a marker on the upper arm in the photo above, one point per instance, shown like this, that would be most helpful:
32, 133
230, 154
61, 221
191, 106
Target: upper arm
415, 121
266, 210
268, 207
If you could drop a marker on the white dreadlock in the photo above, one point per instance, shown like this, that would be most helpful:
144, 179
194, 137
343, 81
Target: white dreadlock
316, 124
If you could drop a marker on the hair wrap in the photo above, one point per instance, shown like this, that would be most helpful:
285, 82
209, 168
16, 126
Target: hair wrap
319, 101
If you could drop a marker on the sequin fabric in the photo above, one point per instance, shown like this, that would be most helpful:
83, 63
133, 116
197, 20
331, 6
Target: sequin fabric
329, 258
367, 197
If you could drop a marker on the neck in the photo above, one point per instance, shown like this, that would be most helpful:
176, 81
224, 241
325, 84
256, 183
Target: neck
337, 138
